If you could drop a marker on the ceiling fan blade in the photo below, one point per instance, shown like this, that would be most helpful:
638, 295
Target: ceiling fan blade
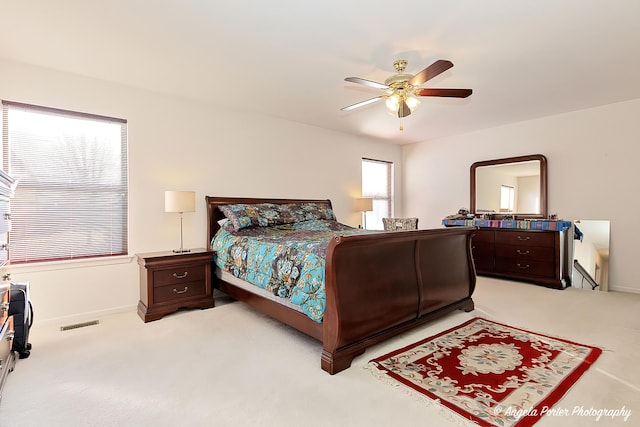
403, 110
451, 93
440, 66
361, 104
366, 82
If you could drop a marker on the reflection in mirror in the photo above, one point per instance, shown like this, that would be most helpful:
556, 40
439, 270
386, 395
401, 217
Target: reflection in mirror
511, 186
591, 255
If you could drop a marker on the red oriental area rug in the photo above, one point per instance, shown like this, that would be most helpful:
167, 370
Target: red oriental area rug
490, 373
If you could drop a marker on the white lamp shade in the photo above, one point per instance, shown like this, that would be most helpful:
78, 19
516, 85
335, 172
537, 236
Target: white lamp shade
364, 204
179, 201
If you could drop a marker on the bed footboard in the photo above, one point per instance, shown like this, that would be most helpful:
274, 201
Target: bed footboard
379, 285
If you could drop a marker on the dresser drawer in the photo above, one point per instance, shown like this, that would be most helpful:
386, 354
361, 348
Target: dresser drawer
4, 221
4, 301
179, 274
526, 253
487, 236
528, 238
4, 249
526, 267
179, 291
5, 325
483, 255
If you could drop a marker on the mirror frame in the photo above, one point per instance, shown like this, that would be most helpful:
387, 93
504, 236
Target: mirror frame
543, 183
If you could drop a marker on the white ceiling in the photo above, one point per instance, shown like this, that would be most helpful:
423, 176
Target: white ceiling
523, 59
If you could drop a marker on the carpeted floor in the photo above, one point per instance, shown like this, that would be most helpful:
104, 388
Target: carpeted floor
230, 366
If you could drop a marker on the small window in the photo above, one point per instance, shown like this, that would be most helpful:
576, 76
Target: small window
507, 198
377, 183
71, 199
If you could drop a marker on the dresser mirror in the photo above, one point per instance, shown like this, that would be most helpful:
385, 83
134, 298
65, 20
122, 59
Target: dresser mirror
514, 186
591, 255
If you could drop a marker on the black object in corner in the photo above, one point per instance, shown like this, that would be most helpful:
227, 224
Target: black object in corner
22, 311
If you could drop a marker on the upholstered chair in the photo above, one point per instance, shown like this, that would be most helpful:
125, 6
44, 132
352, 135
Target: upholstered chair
397, 224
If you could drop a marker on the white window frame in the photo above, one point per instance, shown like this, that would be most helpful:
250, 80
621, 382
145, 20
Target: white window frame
72, 206
507, 198
381, 194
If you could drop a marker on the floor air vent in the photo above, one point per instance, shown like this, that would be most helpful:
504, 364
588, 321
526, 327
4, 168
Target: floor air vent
79, 325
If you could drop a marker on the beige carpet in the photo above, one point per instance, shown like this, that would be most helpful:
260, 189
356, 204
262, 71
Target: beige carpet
230, 366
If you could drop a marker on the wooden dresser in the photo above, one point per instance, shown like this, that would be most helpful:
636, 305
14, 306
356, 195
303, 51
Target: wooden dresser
7, 357
538, 256
540, 252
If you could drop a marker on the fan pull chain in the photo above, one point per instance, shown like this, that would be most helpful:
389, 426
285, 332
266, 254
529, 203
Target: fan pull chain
401, 124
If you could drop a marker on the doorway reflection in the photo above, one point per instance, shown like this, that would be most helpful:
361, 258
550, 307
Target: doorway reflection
591, 255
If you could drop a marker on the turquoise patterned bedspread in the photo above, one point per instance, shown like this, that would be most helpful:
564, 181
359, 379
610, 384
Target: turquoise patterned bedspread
288, 260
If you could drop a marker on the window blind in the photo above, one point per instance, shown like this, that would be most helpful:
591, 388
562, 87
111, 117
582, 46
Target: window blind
377, 183
71, 199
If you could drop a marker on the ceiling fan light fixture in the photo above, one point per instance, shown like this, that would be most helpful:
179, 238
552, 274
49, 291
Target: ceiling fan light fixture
403, 89
412, 102
392, 104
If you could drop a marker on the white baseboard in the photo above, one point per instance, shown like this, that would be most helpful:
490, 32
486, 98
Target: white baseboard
624, 289
57, 322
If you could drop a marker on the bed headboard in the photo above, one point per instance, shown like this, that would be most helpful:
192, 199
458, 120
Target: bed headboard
214, 214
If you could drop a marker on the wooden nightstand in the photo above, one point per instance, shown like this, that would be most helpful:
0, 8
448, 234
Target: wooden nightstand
170, 281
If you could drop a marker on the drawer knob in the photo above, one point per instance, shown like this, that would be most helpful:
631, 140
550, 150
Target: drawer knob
523, 238
523, 266
180, 276
4, 307
6, 276
522, 252
186, 288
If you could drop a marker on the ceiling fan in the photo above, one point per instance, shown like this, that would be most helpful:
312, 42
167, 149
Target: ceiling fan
402, 89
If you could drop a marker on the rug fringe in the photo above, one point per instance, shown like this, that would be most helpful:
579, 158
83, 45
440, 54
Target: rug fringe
443, 411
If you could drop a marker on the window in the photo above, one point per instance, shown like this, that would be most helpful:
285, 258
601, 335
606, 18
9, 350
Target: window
377, 183
71, 199
507, 198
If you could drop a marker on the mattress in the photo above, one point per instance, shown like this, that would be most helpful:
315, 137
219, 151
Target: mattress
286, 260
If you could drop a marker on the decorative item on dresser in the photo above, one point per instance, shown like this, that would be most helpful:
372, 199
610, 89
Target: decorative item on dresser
170, 281
7, 356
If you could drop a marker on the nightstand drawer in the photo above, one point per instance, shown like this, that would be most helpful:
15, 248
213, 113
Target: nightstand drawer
179, 275
180, 291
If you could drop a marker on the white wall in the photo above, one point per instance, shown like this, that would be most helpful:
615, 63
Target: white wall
593, 173
528, 200
176, 144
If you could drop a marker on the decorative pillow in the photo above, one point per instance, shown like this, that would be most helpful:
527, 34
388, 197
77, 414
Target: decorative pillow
245, 215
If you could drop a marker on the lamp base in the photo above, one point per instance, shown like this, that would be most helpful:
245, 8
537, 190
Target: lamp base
181, 251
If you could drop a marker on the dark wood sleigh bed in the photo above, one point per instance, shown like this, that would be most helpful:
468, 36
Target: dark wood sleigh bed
377, 284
